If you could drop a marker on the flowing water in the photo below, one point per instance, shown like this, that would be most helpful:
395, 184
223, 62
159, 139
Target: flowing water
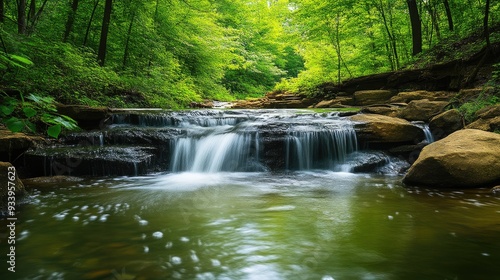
219, 212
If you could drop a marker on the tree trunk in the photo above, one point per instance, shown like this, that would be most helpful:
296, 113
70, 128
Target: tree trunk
127, 41
448, 15
71, 20
416, 27
103, 43
2, 11
31, 11
486, 25
21, 16
33, 16
89, 25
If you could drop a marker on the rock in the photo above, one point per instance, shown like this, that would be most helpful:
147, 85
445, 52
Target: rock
386, 110
488, 119
7, 173
366, 162
486, 124
91, 161
467, 158
87, 117
378, 128
370, 97
332, 103
14, 144
408, 96
422, 110
446, 123
496, 190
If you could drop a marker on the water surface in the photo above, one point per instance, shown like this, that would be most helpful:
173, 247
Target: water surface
299, 225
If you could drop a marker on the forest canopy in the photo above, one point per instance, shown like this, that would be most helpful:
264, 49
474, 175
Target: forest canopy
169, 53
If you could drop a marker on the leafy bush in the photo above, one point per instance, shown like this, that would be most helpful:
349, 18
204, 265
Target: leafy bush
31, 116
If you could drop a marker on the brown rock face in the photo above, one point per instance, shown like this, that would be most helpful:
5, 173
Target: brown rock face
466, 159
422, 110
371, 97
446, 123
488, 119
87, 117
384, 129
408, 96
13, 144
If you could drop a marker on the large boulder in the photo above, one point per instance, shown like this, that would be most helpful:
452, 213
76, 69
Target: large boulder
371, 97
383, 109
422, 110
467, 158
384, 129
446, 123
9, 181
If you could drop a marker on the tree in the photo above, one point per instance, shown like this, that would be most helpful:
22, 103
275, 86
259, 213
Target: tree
21, 16
101, 55
448, 15
71, 20
416, 27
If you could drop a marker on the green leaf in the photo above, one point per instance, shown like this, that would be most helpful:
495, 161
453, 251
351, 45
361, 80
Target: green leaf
21, 59
14, 124
54, 131
66, 123
29, 112
7, 110
31, 126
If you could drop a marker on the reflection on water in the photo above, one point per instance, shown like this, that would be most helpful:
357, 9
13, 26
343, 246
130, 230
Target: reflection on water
304, 225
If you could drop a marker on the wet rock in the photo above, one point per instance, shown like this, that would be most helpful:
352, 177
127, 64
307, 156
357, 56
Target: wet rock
370, 97
9, 179
332, 103
467, 158
422, 110
384, 129
496, 190
446, 123
366, 161
91, 161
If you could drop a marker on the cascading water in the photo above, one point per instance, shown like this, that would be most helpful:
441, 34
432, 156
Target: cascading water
212, 141
429, 138
321, 149
228, 152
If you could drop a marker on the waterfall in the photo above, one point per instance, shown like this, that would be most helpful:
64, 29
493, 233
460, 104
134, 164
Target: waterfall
429, 138
321, 149
228, 152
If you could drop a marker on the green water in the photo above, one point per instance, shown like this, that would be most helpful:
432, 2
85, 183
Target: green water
307, 225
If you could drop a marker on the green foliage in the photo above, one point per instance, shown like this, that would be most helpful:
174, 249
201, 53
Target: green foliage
489, 96
33, 113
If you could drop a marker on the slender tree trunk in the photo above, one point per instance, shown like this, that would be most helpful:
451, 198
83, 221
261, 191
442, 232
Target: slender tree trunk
448, 15
31, 11
126, 53
2, 11
486, 25
393, 56
71, 20
416, 27
21, 16
103, 43
89, 25
34, 16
